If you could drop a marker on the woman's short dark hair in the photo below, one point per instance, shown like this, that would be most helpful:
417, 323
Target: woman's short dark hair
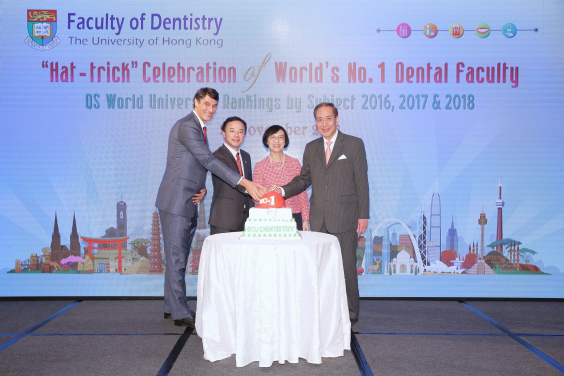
233, 118
272, 130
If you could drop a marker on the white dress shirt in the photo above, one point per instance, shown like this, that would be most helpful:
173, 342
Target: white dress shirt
202, 124
234, 152
333, 139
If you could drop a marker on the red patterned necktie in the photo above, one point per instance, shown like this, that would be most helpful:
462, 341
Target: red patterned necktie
205, 136
239, 165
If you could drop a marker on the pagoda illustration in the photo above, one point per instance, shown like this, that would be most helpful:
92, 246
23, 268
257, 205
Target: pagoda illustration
155, 257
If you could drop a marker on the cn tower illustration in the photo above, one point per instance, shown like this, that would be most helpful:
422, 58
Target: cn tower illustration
482, 222
499, 203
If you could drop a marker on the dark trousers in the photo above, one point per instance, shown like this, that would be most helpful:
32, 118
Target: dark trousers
299, 221
221, 230
348, 242
178, 232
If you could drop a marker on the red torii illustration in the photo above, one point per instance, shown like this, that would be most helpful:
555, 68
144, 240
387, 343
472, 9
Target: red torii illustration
107, 243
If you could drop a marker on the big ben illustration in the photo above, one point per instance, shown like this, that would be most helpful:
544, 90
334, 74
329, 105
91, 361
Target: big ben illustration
121, 211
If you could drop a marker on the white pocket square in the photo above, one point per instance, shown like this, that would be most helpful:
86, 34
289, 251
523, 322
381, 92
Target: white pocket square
342, 157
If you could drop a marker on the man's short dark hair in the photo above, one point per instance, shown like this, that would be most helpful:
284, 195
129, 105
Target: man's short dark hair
325, 104
233, 118
272, 130
201, 94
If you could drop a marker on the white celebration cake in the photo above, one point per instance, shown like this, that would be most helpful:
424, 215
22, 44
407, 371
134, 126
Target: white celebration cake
271, 220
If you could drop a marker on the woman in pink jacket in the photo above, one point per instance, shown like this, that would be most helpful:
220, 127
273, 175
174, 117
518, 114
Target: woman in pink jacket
279, 169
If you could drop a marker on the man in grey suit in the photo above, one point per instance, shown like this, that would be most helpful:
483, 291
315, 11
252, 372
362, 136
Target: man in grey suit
336, 168
230, 207
188, 161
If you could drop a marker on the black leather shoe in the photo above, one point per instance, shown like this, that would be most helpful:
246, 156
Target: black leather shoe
167, 315
187, 321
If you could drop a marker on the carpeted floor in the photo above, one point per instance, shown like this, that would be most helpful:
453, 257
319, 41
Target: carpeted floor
393, 337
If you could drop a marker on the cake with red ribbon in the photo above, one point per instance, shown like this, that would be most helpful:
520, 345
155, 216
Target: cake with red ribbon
271, 220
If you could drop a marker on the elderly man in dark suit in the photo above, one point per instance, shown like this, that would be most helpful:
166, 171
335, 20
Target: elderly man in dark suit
336, 168
230, 207
188, 161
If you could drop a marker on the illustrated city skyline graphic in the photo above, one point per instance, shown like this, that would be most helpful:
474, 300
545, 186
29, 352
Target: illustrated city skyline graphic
380, 251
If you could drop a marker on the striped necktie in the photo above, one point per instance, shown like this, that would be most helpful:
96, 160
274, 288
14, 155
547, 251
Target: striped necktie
239, 165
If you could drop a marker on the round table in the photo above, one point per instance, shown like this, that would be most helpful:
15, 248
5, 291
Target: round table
272, 300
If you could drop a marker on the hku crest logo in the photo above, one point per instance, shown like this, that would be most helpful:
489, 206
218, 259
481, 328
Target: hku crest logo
42, 27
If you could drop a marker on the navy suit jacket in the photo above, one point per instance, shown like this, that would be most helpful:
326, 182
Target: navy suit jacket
230, 207
188, 161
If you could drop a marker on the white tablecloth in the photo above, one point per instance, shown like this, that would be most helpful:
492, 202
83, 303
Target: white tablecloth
272, 300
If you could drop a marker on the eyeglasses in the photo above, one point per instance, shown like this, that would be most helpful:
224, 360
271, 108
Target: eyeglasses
277, 138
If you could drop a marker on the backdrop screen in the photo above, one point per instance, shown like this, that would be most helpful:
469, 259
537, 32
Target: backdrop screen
459, 106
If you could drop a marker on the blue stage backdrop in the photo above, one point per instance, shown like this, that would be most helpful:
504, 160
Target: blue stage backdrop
459, 106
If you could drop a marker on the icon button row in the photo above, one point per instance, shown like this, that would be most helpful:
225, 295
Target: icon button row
456, 30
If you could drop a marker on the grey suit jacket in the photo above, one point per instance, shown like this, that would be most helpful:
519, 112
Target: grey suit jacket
339, 194
187, 163
230, 207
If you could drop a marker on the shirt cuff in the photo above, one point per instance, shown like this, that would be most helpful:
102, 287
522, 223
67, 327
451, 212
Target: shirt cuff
283, 193
239, 182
